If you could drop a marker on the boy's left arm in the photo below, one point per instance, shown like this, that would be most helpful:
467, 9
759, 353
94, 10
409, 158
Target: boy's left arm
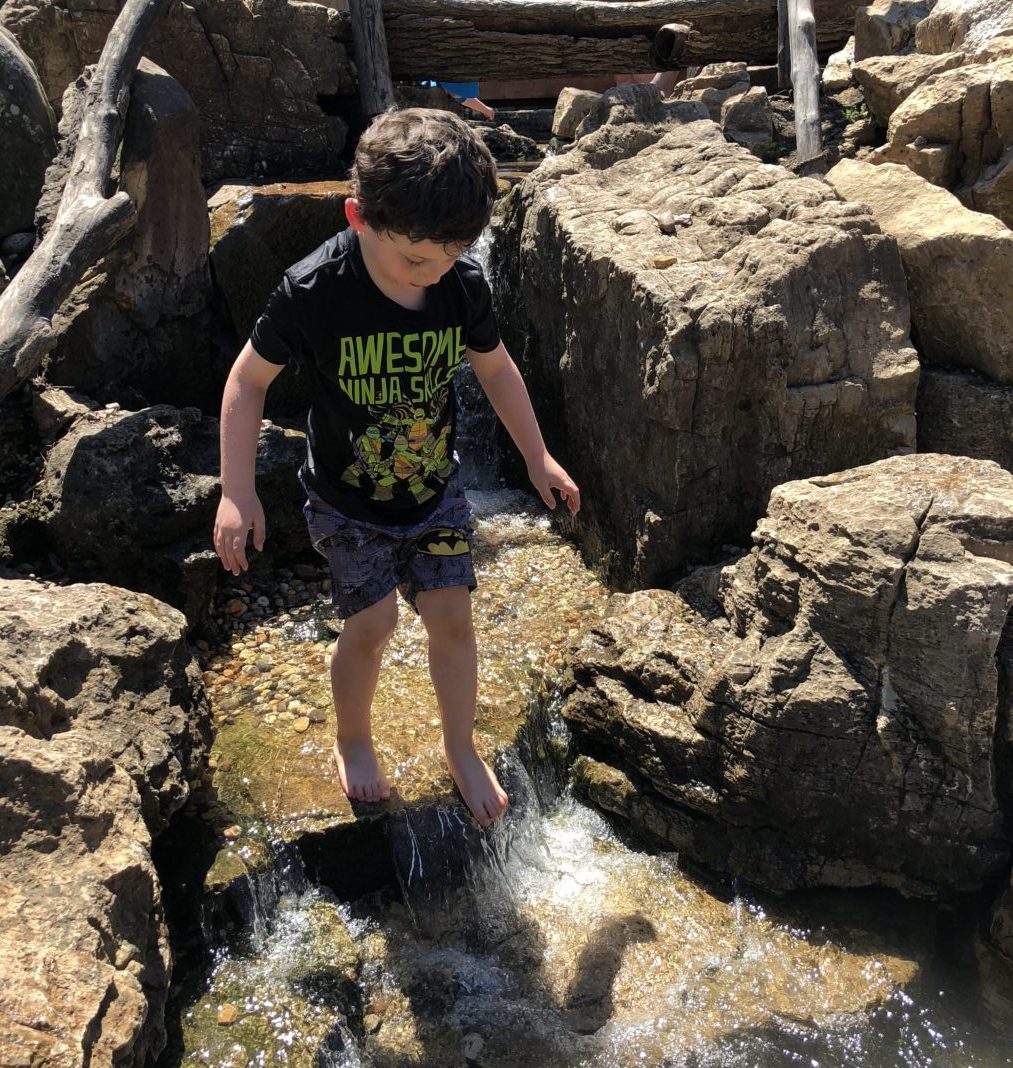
501, 380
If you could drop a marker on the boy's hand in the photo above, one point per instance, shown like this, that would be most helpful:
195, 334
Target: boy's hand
236, 516
546, 475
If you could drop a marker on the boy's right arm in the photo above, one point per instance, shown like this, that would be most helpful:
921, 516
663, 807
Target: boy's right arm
240, 509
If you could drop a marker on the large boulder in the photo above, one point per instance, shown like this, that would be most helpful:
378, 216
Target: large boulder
137, 330
965, 25
956, 130
104, 727
27, 137
959, 266
150, 526
887, 81
825, 711
887, 27
965, 413
256, 69
697, 327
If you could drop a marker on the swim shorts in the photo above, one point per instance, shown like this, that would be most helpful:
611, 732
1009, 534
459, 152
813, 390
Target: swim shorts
367, 561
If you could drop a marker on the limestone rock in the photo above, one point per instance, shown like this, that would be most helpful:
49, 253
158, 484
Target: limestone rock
256, 70
963, 25
965, 414
958, 263
571, 107
831, 718
505, 144
103, 727
150, 526
956, 130
773, 346
837, 73
27, 137
715, 84
746, 120
887, 27
887, 81
137, 331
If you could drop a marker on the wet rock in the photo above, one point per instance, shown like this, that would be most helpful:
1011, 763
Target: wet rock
958, 263
887, 27
255, 71
773, 347
27, 137
150, 528
887, 81
832, 719
572, 106
505, 144
103, 731
137, 331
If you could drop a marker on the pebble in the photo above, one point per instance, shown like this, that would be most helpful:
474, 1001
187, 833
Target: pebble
235, 607
317, 715
371, 1022
228, 1014
232, 832
301, 724
471, 1045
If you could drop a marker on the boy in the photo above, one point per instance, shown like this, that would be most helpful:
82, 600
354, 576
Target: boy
380, 317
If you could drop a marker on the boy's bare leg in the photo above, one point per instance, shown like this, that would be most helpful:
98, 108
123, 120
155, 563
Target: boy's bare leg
453, 667
355, 668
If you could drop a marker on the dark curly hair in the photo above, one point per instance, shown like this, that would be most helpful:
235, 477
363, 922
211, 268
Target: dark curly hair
426, 175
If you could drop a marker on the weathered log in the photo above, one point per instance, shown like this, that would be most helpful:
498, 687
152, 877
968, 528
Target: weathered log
376, 91
805, 80
783, 46
88, 223
492, 39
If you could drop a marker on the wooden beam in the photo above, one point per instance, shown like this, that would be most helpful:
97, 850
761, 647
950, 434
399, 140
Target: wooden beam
783, 46
805, 80
87, 223
376, 91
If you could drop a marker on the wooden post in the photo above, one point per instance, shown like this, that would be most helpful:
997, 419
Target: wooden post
805, 80
783, 46
376, 91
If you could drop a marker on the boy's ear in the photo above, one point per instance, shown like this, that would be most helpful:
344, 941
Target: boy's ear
352, 214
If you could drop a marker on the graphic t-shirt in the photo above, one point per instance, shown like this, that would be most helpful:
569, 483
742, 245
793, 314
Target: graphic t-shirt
380, 377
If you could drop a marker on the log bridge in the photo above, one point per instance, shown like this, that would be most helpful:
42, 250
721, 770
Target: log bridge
465, 40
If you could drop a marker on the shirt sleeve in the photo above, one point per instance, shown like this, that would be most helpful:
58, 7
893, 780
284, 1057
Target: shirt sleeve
483, 332
276, 335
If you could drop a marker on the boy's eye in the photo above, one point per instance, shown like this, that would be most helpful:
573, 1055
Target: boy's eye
413, 263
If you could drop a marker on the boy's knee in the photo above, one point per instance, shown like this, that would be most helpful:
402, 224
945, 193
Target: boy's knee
446, 614
373, 627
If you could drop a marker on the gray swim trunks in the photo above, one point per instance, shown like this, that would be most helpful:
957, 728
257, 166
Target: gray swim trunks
367, 561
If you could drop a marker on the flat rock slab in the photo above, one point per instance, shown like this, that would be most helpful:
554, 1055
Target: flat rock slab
828, 714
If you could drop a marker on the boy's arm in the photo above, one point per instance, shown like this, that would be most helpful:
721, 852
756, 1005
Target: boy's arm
501, 380
242, 410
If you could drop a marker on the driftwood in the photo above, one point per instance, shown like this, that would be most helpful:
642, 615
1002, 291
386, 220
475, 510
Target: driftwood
88, 223
783, 46
805, 81
376, 92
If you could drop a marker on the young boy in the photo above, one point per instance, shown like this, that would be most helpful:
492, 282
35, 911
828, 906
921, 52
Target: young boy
379, 318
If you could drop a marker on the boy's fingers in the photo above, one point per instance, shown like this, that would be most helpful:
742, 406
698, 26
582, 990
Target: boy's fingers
259, 532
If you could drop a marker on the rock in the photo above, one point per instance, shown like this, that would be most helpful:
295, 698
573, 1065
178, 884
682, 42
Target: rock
150, 527
887, 27
958, 263
257, 233
956, 130
747, 121
887, 81
965, 414
994, 951
837, 73
104, 728
137, 330
505, 144
963, 25
831, 718
27, 137
774, 347
56, 409
572, 106
228, 1014
716, 83
257, 73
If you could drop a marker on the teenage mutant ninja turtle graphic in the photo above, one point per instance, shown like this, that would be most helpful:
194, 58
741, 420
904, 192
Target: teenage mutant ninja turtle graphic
401, 450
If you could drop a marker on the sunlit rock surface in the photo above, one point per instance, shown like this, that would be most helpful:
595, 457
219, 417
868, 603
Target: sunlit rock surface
833, 714
696, 327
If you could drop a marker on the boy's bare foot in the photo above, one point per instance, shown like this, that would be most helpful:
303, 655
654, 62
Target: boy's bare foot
359, 771
479, 787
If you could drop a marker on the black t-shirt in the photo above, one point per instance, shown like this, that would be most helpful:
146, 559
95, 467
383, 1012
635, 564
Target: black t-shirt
383, 408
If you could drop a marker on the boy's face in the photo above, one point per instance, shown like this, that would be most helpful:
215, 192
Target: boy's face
400, 261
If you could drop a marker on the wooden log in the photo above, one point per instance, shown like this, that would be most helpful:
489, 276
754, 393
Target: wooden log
805, 80
376, 91
783, 46
87, 222
493, 39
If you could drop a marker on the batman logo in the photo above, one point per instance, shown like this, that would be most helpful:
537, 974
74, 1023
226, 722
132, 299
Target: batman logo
443, 541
